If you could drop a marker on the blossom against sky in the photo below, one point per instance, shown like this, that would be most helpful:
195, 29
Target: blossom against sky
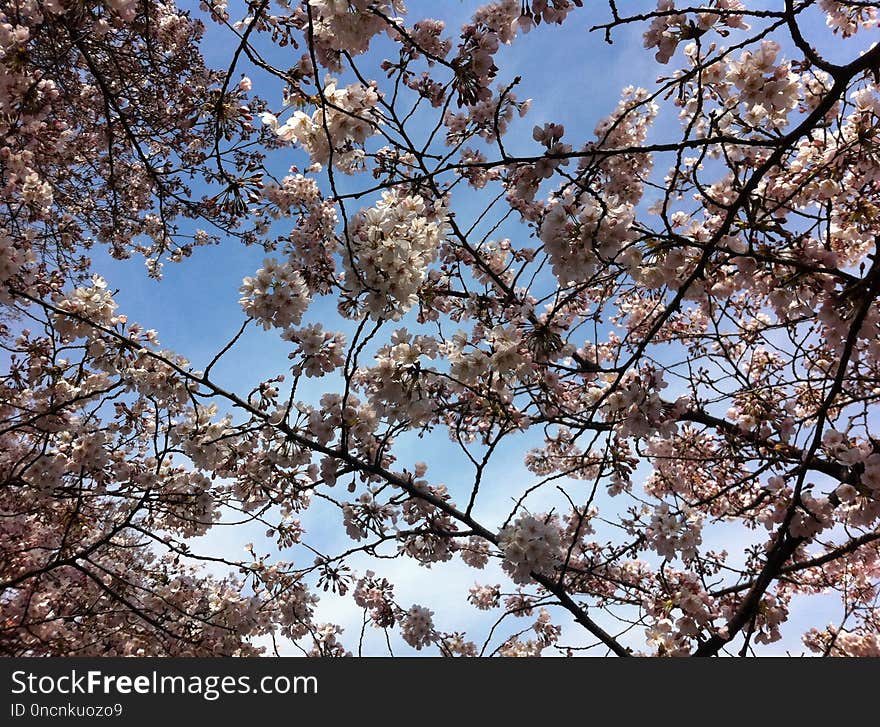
574, 79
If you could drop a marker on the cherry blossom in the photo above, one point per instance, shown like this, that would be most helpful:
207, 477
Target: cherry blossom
621, 357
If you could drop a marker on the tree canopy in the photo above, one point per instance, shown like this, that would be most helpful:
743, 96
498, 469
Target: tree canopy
670, 324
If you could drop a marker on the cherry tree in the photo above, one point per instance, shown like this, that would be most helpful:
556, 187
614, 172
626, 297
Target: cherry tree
672, 319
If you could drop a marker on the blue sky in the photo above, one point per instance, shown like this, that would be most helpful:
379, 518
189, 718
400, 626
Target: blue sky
575, 78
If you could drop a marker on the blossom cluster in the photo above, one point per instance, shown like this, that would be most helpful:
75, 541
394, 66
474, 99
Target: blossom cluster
531, 544
277, 296
417, 627
334, 132
389, 249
